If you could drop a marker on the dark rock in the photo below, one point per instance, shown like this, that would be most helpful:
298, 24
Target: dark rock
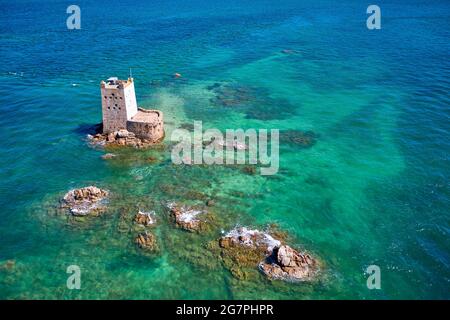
146, 241
297, 137
196, 195
152, 159
249, 169
213, 86
232, 95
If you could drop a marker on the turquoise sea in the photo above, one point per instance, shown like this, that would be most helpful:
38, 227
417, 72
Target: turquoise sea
371, 189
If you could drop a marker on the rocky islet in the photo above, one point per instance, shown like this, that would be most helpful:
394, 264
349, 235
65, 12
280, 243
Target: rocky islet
243, 247
85, 201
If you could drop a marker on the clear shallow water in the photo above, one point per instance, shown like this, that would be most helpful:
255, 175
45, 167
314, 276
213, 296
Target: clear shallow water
373, 189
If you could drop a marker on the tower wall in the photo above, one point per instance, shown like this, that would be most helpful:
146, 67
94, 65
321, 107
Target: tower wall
118, 105
130, 100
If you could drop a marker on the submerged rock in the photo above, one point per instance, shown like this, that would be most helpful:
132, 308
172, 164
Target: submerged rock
289, 51
226, 144
214, 86
232, 95
8, 265
146, 241
249, 169
84, 201
152, 159
249, 100
195, 195
187, 126
145, 218
288, 264
297, 137
108, 156
236, 145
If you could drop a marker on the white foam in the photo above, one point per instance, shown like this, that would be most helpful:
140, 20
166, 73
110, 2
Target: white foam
171, 204
149, 214
264, 238
189, 215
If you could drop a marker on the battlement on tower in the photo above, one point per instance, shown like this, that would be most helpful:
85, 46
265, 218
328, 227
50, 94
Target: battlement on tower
115, 83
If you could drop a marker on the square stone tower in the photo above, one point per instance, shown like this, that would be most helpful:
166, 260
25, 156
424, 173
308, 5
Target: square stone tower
118, 103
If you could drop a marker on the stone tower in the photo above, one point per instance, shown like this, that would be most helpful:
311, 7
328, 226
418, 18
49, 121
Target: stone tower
120, 112
118, 103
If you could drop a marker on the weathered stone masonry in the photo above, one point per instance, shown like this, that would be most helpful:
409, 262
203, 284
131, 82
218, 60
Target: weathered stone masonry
120, 111
147, 124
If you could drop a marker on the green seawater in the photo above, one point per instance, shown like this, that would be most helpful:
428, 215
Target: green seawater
371, 190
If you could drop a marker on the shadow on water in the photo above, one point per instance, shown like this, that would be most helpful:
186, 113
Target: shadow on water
88, 128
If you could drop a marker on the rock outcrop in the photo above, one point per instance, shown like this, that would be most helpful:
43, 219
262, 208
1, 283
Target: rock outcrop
243, 248
252, 239
188, 218
145, 218
85, 201
119, 138
288, 264
146, 241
